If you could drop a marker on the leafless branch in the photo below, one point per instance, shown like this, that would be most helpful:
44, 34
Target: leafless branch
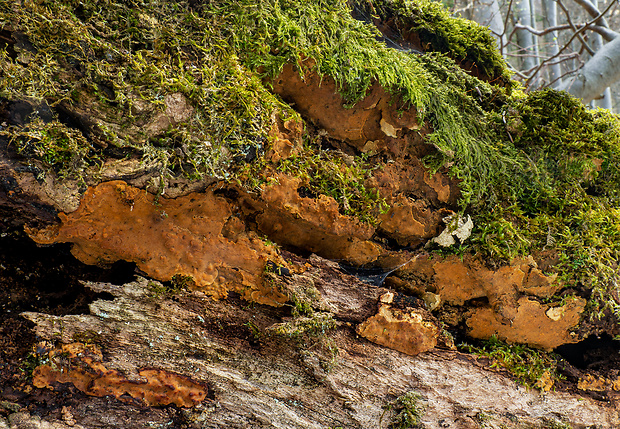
575, 29
570, 40
593, 11
607, 34
541, 32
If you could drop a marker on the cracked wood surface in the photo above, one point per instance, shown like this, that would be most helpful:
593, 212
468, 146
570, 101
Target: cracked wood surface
262, 381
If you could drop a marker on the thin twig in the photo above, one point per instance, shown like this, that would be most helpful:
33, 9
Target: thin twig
568, 43
607, 34
593, 12
575, 29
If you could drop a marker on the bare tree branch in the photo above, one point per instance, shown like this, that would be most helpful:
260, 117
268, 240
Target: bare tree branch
544, 31
597, 74
607, 34
593, 11
568, 43
575, 29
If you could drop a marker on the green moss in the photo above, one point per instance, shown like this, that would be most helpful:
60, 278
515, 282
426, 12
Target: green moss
169, 289
131, 54
345, 180
527, 365
465, 41
408, 410
30, 363
318, 324
63, 149
551, 423
87, 337
536, 171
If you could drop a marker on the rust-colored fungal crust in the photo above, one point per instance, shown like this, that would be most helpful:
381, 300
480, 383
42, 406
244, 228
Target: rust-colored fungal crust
513, 312
365, 125
314, 224
409, 331
80, 365
536, 324
197, 235
598, 384
458, 281
411, 222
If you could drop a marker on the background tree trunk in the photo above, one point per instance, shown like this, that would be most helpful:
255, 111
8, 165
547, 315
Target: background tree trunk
598, 73
525, 39
552, 47
487, 12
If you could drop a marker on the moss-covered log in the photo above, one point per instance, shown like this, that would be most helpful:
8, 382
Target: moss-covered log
216, 144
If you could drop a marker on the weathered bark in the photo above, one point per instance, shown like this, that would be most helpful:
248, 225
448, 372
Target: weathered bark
246, 329
257, 379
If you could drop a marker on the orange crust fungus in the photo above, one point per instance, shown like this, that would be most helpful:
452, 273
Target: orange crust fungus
365, 126
314, 224
513, 313
535, 324
409, 331
80, 365
196, 235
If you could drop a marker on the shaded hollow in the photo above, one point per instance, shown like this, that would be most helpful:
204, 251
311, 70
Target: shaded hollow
45, 279
594, 353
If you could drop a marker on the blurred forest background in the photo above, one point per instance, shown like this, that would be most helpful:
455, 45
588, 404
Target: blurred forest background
564, 44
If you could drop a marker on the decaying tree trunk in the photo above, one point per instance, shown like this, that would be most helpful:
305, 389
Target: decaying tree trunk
309, 231
236, 367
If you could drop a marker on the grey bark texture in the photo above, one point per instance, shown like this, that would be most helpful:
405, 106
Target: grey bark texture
525, 39
281, 383
550, 18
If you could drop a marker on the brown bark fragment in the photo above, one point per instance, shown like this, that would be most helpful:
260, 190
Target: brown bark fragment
81, 366
314, 224
411, 222
409, 331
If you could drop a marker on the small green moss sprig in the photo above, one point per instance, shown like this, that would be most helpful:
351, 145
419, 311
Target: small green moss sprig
63, 149
132, 55
408, 409
343, 178
461, 39
527, 365
178, 283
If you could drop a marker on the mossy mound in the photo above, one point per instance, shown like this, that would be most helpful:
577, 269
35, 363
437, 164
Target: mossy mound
427, 24
537, 172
